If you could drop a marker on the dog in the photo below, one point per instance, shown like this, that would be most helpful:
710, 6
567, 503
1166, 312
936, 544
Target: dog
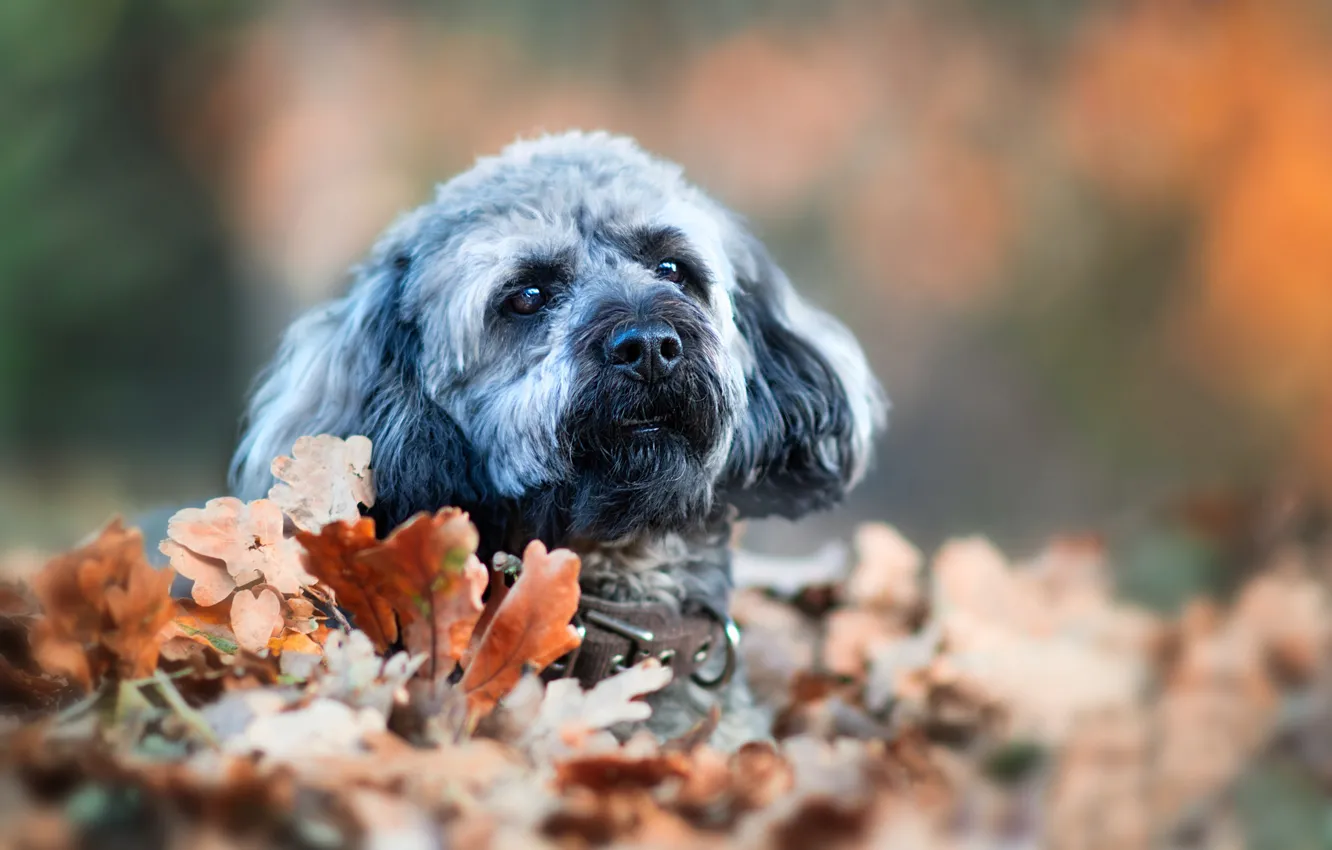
576, 345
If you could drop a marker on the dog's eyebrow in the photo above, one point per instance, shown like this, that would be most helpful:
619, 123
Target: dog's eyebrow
557, 266
651, 245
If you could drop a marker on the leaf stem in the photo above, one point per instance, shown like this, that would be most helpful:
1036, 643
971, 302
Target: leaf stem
192, 718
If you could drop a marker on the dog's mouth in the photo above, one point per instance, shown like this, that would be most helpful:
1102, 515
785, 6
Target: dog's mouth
643, 427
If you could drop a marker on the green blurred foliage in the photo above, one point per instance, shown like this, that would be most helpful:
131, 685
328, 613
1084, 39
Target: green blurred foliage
117, 300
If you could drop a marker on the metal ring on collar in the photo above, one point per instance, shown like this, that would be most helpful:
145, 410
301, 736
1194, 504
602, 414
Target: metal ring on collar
732, 634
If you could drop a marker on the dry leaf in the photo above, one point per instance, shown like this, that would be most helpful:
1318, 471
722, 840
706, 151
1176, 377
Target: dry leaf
255, 617
247, 538
209, 626
389, 820
104, 609
428, 571
1011, 643
23, 685
213, 583
776, 643
460, 773
568, 713
298, 655
1287, 610
297, 642
1217, 708
899, 669
887, 575
604, 772
531, 627
324, 480
299, 615
323, 727
354, 674
852, 638
333, 557
1098, 798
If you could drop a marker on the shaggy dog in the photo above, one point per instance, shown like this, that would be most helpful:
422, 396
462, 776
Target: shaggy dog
575, 345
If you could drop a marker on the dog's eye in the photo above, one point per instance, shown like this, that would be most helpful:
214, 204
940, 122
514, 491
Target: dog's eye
528, 300
671, 270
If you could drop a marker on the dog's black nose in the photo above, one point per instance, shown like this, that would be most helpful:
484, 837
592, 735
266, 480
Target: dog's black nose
645, 351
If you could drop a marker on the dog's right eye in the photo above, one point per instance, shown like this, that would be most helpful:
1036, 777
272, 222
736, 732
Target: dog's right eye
527, 300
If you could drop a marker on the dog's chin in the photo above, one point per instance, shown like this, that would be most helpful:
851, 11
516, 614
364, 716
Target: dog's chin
647, 476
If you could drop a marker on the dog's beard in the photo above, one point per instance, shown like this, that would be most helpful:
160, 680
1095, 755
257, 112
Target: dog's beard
643, 458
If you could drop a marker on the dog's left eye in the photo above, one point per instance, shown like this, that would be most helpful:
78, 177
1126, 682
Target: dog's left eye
527, 300
671, 270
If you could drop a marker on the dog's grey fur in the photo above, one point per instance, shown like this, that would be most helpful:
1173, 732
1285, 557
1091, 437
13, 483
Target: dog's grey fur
771, 410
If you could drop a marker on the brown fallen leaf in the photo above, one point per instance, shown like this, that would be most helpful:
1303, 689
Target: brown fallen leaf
604, 772
1287, 610
497, 589
1014, 640
390, 820
531, 627
256, 617
451, 772
888, 572
899, 670
246, 538
213, 583
324, 480
105, 607
428, 571
333, 557
23, 685
852, 638
1098, 784
777, 642
762, 775
1218, 707
299, 615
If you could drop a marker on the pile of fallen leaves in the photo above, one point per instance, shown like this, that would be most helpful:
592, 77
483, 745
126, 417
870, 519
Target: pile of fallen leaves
974, 703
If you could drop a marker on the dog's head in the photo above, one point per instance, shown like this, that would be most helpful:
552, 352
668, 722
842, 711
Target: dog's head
571, 341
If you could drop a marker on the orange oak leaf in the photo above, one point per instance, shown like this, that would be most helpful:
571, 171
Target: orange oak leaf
324, 480
294, 642
256, 617
332, 556
530, 627
434, 581
104, 607
246, 538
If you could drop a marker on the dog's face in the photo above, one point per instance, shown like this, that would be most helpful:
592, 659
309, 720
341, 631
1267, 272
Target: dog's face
572, 342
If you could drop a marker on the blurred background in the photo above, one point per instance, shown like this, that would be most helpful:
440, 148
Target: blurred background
1088, 246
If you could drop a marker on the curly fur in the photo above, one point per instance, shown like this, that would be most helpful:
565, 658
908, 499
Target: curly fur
771, 409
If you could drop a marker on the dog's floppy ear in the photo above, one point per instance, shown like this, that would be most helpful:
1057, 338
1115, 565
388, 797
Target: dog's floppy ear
814, 407
353, 367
